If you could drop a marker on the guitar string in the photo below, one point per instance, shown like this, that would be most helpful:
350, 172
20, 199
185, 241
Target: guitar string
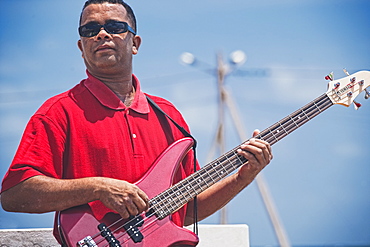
269, 132
155, 219
309, 111
142, 220
120, 227
295, 120
150, 222
292, 116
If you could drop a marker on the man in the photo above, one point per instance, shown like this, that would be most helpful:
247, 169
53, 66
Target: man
91, 143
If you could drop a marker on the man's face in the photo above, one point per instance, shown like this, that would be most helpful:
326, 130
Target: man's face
105, 52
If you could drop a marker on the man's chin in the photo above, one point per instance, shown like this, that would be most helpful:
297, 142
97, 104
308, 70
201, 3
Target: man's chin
106, 63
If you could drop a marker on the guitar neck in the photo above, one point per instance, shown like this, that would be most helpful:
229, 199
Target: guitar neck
287, 125
179, 194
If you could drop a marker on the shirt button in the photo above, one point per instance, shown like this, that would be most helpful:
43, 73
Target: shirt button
134, 135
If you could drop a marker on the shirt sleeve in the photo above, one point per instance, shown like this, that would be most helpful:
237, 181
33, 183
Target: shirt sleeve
40, 152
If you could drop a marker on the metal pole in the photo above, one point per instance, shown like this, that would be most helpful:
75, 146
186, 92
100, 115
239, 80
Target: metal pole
260, 180
221, 72
224, 100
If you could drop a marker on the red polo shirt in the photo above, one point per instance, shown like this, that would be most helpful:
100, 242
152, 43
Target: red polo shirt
87, 131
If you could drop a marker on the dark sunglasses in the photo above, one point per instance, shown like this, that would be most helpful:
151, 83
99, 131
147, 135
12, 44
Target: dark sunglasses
113, 27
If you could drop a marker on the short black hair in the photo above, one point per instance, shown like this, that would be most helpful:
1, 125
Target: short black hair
130, 12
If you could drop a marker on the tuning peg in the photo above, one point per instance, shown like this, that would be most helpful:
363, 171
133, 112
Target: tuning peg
367, 94
330, 76
346, 72
356, 105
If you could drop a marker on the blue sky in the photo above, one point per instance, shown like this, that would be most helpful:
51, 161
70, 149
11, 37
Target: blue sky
319, 178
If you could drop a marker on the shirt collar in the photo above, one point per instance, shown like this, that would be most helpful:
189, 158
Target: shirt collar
107, 98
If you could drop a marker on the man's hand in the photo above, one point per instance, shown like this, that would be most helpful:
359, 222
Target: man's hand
258, 153
123, 197
40, 194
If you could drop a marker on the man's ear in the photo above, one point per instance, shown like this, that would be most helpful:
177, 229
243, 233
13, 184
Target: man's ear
136, 45
79, 44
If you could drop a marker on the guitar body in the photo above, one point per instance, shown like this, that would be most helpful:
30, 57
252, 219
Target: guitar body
77, 223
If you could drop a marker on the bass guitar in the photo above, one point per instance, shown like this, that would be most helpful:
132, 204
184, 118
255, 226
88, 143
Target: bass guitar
78, 226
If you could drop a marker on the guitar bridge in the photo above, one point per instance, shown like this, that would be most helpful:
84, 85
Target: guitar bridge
87, 242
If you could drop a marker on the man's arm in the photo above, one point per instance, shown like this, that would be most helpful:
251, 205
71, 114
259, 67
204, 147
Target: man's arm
258, 153
40, 194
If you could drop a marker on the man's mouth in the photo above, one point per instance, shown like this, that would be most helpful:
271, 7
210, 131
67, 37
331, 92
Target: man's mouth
104, 48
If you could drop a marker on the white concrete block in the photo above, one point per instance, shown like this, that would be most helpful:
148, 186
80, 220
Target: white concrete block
210, 236
223, 235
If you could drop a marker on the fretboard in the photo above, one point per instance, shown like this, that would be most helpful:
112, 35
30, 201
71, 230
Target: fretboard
179, 194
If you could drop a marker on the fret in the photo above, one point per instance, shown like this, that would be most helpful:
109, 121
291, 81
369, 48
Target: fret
283, 127
216, 170
277, 139
190, 186
154, 204
277, 131
306, 112
238, 157
301, 116
223, 166
180, 190
291, 124
213, 174
160, 200
305, 120
210, 179
317, 106
180, 196
228, 167
229, 162
314, 111
160, 209
298, 123
223, 171
294, 121
204, 180
171, 199
306, 115
235, 164
198, 179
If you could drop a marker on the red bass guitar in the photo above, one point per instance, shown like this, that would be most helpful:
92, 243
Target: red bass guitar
78, 226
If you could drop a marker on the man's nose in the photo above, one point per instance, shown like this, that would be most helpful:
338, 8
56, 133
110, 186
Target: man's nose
103, 34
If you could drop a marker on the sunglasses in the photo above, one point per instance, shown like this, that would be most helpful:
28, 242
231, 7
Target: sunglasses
113, 27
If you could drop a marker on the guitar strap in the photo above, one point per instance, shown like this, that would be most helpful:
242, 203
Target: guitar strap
186, 134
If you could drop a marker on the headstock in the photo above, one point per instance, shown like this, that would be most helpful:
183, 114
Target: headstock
345, 90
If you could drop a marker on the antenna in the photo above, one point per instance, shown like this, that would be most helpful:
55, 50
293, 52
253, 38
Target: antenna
237, 58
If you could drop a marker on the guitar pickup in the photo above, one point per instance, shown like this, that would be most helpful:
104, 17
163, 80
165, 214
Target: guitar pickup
107, 234
131, 227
